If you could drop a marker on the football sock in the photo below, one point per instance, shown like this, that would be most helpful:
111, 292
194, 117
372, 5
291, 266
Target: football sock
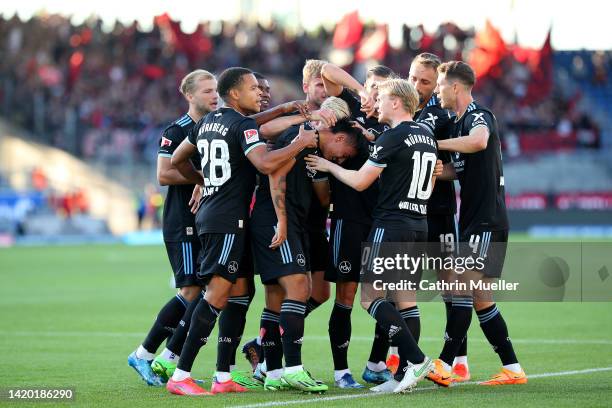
311, 305
338, 374
457, 325
165, 323
462, 352
271, 340
175, 343
380, 345
292, 331
202, 322
168, 355
142, 353
340, 334
223, 376
412, 317
293, 369
389, 318
495, 330
378, 367
180, 375
231, 325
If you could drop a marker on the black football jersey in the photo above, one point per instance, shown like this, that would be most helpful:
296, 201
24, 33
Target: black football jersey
299, 192
224, 138
408, 154
440, 122
178, 221
346, 203
480, 174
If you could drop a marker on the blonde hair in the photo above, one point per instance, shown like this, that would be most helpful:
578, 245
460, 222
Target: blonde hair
338, 106
403, 90
428, 59
188, 83
312, 69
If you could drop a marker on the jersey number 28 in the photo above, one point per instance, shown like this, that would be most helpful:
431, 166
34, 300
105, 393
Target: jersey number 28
218, 153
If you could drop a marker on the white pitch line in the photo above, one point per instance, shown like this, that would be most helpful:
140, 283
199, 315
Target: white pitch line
354, 396
306, 339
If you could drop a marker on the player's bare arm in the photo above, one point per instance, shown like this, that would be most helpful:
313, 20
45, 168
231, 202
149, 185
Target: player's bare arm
180, 161
358, 179
167, 174
272, 129
268, 161
474, 142
282, 109
322, 191
278, 190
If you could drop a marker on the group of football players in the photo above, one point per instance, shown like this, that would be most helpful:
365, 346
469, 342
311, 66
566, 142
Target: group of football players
250, 190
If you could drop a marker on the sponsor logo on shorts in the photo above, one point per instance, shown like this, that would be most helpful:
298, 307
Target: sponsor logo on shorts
232, 267
344, 267
301, 260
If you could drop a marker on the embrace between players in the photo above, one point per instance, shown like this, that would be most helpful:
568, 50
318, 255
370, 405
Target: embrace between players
260, 182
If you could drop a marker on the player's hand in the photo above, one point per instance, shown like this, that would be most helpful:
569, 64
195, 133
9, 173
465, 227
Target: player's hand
196, 196
310, 138
438, 168
318, 163
324, 115
280, 235
368, 135
367, 102
293, 106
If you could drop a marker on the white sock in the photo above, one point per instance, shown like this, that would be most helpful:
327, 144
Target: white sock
393, 350
264, 367
516, 367
376, 366
232, 367
294, 369
180, 375
143, 353
446, 366
275, 374
258, 340
460, 360
170, 356
338, 374
223, 376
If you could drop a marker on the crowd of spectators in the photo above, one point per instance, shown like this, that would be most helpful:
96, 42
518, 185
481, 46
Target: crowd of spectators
106, 94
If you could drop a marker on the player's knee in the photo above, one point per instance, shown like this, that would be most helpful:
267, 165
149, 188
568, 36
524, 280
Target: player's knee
481, 305
189, 293
320, 292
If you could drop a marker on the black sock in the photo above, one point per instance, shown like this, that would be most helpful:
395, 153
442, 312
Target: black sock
231, 325
389, 318
340, 334
380, 345
311, 305
457, 325
412, 317
271, 340
463, 349
176, 342
292, 331
202, 323
165, 323
495, 330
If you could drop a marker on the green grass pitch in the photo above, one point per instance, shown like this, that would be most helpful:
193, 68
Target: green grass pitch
69, 316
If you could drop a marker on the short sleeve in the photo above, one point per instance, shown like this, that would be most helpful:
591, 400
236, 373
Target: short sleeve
192, 136
171, 138
382, 150
478, 119
435, 120
248, 135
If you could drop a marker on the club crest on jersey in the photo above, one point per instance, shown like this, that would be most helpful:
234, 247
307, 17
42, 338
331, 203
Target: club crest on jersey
165, 142
251, 135
375, 151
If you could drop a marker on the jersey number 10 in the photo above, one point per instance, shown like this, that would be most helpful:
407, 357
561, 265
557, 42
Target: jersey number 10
422, 169
218, 153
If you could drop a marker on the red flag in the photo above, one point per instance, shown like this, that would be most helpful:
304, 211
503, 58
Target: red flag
489, 51
540, 64
374, 46
194, 45
348, 31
